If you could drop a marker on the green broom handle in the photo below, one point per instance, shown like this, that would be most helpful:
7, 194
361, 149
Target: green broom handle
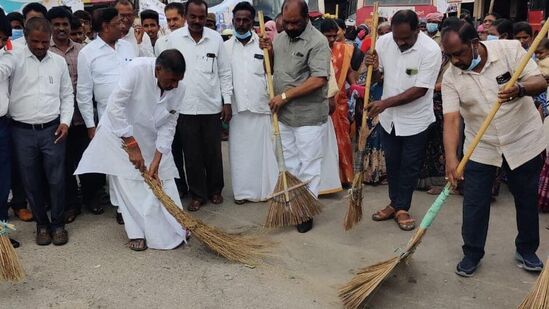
437, 205
270, 88
363, 136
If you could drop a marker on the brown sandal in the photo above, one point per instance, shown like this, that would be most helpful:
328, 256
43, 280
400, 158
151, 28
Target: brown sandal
384, 214
404, 220
216, 199
138, 244
195, 205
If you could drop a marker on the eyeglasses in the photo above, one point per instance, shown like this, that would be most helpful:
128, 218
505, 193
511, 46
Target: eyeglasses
125, 16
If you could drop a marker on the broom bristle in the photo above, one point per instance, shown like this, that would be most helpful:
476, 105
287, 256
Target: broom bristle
10, 265
538, 297
354, 212
234, 247
365, 282
301, 207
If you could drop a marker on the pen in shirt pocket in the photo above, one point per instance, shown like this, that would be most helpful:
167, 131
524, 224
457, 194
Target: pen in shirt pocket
212, 56
50, 79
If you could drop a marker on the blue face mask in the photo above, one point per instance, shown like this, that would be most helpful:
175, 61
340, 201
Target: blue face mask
475, 61
491, 37
432, 27
242, 36
16, 33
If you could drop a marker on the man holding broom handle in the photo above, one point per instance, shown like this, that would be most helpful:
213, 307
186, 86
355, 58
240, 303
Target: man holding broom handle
410, 61
141, 117
301, 60
514, 140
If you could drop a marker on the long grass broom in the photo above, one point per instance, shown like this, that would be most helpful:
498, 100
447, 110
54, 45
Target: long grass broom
354, 212
538, 297
10, 265
355, 292
291, 202
234, 247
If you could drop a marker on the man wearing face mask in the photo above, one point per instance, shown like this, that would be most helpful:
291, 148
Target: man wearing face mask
433, 22
17, 22
513, 141
253, 163
410, 61
301, 71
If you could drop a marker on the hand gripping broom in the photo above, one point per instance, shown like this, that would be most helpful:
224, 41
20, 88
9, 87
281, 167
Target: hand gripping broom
354, 212
234, 247
291, 202
538, 297
355, 292
10, 266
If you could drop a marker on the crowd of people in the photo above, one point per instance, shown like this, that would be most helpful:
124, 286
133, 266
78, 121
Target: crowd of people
90, 103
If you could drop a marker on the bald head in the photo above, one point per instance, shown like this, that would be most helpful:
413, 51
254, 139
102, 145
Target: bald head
296, 6
295, 17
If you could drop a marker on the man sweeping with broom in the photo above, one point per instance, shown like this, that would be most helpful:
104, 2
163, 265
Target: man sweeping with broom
140, 123
301, 59
514, 140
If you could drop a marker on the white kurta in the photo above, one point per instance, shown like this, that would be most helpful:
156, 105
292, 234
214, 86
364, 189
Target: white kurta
254, 170
137, 108
329, 173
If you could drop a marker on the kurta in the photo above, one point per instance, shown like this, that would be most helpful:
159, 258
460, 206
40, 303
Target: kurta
137, 108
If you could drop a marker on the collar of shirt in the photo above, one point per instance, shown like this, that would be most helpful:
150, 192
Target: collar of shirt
305, 35
493, 56
205, 34
29, 54
71, 45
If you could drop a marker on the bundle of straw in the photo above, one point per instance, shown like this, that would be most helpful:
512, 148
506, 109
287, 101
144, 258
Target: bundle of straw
291, 203
234, 247
10, 265
368, 279
538, 297
354, 212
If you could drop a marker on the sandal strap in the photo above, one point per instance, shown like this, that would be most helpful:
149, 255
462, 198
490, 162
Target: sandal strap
401, 213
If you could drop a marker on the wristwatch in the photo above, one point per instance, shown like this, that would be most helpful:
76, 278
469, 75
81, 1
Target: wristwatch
522, 90
283, 96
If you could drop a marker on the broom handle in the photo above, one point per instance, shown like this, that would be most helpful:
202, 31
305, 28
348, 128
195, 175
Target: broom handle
437, 205
369, 74
270, 88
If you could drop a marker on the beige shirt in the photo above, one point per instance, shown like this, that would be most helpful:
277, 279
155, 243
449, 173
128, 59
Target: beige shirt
516, 131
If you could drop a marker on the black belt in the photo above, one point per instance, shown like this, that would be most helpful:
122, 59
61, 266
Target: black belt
40, 126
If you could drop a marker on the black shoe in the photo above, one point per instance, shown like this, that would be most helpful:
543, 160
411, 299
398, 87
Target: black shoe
60, 236
15, 243
119, 218
529, 262
43, 237
306, 226
467, 267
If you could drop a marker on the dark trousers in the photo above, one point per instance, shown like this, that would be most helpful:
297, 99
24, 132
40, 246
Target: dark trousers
477, 187
404, 156
5, 167
18, 197
178, 158
38, 155
77, 142
201, 138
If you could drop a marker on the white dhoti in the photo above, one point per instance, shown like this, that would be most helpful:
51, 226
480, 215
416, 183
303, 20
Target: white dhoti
303, 152
329, 173
254, 170
144, 215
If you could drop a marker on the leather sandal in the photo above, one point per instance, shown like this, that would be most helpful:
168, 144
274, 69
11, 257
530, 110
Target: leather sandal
384, 214
195, 205
405, 221
138, 244
216, 199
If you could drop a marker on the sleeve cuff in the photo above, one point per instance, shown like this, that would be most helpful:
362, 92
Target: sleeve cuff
227, 99
162, 148
124, 132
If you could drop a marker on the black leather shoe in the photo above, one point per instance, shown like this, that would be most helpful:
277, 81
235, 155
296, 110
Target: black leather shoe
119, 218
305, 226
15, 243
60, 236
43, 237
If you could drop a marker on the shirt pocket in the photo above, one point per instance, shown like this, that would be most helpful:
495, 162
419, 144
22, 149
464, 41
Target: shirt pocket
207, 63
51, 84
298, 61
257, 65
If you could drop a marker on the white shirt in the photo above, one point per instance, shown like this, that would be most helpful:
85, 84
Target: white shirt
99, 67
19, 43
145, 49
249, 82
137, 108
416, 67
40, 91
208, 75
161, 45
4, 91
